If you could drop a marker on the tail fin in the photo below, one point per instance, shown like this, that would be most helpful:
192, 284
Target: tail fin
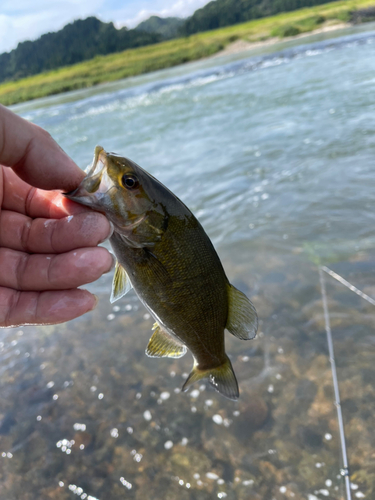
222, 378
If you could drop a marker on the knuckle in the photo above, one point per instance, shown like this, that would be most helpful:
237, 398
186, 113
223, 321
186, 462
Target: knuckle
21, 269
9, 307
25, 235
29, 199
54, 234
43, 133
51, 268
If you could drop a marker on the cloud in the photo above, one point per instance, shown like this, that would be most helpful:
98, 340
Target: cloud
28, 27
181, 8
24, 20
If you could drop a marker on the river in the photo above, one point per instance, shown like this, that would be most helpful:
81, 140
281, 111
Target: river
273, 150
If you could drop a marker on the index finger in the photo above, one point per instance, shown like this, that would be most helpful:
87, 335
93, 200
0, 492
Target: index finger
34, 155
18, 196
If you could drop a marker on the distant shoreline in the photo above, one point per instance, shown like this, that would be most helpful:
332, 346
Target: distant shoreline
217, 43
243, 46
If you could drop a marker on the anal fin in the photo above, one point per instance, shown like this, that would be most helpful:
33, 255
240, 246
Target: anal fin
121, 283
242, 319
162, 345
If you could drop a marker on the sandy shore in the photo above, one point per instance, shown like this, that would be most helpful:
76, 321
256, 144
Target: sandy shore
243, 45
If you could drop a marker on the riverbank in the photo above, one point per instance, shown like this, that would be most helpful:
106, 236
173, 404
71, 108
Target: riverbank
242, 45
101, 69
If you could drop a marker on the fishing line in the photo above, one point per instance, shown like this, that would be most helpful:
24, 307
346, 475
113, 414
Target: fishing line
348, 285
345, 469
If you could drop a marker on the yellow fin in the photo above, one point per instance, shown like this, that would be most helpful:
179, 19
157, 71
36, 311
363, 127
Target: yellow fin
162, 345
121, 283
222, 378
242, 319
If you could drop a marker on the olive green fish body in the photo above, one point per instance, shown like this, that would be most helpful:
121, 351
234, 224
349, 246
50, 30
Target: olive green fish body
164, 253
182, 283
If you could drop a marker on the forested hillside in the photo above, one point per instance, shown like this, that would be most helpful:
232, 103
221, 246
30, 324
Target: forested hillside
76, 42
221, 13
82, 40
167, 27
140, 60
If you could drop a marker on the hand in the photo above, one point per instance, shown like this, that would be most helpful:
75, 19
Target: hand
48, 244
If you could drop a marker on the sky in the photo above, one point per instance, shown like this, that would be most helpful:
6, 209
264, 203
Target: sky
22, 20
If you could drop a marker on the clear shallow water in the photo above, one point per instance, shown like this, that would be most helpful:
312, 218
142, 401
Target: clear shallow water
275, 156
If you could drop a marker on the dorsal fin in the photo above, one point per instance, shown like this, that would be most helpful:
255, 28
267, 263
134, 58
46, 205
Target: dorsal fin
162, 345
121, 283
242, 319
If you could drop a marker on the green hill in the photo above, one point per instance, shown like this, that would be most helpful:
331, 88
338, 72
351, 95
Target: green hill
131, 62
220, 13
167, 27
76, 42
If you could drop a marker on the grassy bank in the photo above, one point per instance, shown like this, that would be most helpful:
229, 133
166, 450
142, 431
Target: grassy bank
166, 54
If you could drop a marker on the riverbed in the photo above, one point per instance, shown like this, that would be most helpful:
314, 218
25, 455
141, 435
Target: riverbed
274, 152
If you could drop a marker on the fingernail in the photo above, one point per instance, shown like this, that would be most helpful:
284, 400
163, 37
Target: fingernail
113, 263
95, 303
110, 232
112, 228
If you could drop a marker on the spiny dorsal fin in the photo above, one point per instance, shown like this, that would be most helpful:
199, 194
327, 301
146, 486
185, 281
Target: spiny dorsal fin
121, 283
242, 319
222, 378
162, 345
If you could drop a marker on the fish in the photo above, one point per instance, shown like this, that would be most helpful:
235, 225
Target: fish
165, 255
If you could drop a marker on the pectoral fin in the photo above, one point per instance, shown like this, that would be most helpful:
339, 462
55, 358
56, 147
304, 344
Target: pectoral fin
242, 319
162, 345
157, 268
121, 283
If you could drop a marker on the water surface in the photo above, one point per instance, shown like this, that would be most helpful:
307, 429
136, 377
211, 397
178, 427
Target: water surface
274, 153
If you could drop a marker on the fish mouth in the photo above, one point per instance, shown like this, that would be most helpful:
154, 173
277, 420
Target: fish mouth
96, 191
99, 162
96, 185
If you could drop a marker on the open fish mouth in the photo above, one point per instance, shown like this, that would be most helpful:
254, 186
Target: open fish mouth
97, 183
97, 191
98, 164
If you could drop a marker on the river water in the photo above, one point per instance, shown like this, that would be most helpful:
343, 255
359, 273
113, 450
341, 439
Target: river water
273, 150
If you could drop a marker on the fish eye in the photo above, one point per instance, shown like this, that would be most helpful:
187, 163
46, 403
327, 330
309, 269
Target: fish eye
129, 181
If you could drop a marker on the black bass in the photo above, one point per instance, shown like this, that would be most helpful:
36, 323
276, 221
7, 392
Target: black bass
163, 252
